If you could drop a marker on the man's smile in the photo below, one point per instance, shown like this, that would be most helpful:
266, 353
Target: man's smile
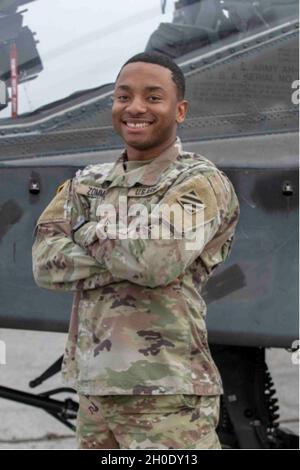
137, 124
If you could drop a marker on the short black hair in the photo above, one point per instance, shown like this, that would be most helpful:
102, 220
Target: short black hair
164, 61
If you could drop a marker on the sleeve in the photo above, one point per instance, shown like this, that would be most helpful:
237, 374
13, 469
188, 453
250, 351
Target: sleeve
219, 248
189, 213
58, 262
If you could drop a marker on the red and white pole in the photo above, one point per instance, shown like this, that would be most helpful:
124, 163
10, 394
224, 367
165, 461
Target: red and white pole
14, 80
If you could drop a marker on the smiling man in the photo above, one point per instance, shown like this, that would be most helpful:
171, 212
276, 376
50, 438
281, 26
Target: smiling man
137, 350
146, 111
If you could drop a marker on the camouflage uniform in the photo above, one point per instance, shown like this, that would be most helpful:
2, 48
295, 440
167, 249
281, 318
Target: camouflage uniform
148, 422
138, 319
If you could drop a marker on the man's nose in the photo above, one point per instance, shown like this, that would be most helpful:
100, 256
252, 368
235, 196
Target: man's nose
136, 106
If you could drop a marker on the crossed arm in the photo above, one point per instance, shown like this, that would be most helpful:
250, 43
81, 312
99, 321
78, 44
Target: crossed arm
88, 262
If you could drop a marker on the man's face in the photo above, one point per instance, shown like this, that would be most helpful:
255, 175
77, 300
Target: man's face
146, 107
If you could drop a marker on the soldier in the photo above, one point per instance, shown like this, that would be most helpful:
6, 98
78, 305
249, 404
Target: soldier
137, 351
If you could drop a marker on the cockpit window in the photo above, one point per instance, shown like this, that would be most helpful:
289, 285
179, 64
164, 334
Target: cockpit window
58, 62
199, 23
63, 47
60, 48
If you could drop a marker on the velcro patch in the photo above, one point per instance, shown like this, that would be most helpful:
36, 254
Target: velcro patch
90, 191
56, 211
191, 202
143, 191
196, 192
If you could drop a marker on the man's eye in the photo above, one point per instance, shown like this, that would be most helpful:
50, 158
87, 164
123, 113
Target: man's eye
122, 98
154, 98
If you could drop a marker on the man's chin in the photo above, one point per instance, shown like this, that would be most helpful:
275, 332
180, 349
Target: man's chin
140, 145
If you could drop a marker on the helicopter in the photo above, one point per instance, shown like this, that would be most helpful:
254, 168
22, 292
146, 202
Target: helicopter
240, 61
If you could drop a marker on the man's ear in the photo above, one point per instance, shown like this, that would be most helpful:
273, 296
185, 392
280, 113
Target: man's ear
182, 107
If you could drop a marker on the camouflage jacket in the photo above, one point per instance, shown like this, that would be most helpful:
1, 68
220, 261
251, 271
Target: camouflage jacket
138, 319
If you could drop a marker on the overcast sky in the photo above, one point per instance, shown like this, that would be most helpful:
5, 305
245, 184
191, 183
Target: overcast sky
83, 43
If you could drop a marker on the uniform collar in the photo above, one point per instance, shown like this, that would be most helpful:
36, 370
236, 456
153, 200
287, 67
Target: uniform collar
147, 175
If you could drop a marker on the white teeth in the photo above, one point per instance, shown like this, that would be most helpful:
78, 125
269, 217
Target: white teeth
137, 124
